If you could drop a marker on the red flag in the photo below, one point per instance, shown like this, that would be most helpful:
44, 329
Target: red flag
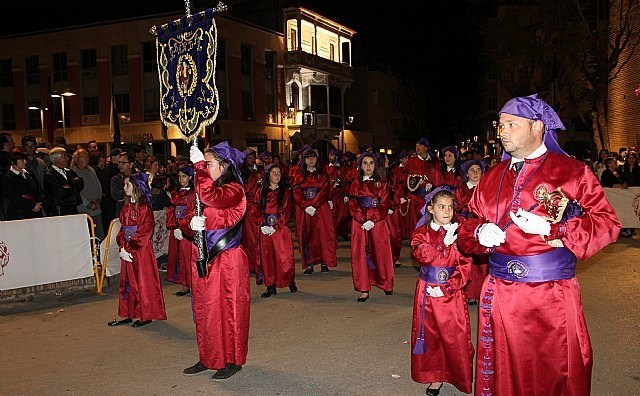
50, 115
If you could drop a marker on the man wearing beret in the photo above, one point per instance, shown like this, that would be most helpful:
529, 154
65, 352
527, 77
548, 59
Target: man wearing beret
539, 211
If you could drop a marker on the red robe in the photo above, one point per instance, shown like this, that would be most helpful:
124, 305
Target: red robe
450, 178
480, 267
221, 299
316, 234
251, 233
424, 167
395, 219
373, 243
140, 293
447, 330
340, 211
539, 342
276, 261
181, 252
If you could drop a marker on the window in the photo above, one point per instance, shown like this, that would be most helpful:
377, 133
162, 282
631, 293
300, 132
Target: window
247, 105
293, 38
149, 58
8, 116
90, 105
122, 102
221, 55
346, 53
89, 63
332, 52
6, 74
270, 83
119, 65
33, 117
32, 67
245, 61
60, 71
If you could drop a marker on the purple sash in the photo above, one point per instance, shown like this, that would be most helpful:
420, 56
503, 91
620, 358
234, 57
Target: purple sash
368, 202
129, 232
213, 236
310, 192
557, 264
438, 275
29, 197
181, 210
271, 219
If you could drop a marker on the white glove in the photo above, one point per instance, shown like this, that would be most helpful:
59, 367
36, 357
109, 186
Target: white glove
367, 225
428, 187
264, 230
435, 291
490, 235
402, 200
195, 155
330, 204
451, 235
346, 199
310, 210
530, 223
126, 256
390, 211
197, 223
178, 234
271, 230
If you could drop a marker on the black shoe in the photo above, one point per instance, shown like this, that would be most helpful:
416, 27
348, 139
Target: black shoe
183, 292
388, 292
117, 322
472, 301
271, 291
397, 265
227, 372
293, 288
195, 369
363, 299
308, 271
139, 323
324, 268
433, 391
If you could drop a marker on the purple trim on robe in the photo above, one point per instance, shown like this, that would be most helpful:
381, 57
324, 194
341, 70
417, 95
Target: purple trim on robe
310, 192
368, 202
181, 211
128, 232
557, 264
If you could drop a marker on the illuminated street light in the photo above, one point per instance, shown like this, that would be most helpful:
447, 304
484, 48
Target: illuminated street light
66, 93
33, 107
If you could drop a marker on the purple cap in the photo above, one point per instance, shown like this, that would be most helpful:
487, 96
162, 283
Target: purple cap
263, 155
248, 151
423, 141
142, 181
233, 155
186, 169
365, 147
268, 168
367, 154
452, 149
403, 153
534, 108
467, 164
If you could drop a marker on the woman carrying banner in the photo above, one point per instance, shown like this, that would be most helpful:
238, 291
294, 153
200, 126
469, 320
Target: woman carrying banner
140, 294
369, 202
221, 297
271, 212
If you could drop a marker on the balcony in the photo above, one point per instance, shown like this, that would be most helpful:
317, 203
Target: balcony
300, 58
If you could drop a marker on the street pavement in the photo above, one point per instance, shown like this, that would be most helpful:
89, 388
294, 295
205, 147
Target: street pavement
318, 341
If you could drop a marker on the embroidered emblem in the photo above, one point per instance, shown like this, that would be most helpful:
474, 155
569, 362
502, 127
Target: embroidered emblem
375, 202
271, 220
185, 75
518, 269
541, 192
442, 275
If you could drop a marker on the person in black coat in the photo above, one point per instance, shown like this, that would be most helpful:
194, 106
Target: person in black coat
21, 189
62, 186
610, 176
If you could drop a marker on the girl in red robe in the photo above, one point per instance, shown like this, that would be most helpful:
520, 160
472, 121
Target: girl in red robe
449, 174
369, 202
314, 224
221, 296
473, 170
272, 209
140, 292
182, 251
441, 333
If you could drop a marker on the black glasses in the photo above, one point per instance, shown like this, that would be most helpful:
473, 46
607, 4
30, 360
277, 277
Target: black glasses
123, 162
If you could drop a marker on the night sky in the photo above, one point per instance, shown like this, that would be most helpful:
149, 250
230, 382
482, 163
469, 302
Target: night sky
437, 48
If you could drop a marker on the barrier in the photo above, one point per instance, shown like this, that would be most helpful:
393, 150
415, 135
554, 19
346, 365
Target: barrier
626, 202
46, 250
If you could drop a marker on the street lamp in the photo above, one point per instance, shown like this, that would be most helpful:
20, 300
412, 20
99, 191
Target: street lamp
34, 107
66, 93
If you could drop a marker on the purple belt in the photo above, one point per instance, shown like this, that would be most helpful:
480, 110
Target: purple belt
214, 235
181, 210
439, 275
271, 219
310, 192
368, 202
129, 232
557, 264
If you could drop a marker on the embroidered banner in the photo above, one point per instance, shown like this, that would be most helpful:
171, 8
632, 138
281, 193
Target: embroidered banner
186, 51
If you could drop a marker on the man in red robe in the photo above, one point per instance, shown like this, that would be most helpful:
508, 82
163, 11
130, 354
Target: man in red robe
538, 212
420, 174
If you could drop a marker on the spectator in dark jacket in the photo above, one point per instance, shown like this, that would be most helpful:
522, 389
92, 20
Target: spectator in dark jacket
62, 186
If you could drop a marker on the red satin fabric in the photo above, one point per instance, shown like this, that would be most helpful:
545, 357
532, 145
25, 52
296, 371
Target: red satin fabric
251, 233
221, 300
447, 330
376, 239
418, 166
140, 292
447, 178
539, 342
340, 211
276, 258
181, 252
395, 219
315, 232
